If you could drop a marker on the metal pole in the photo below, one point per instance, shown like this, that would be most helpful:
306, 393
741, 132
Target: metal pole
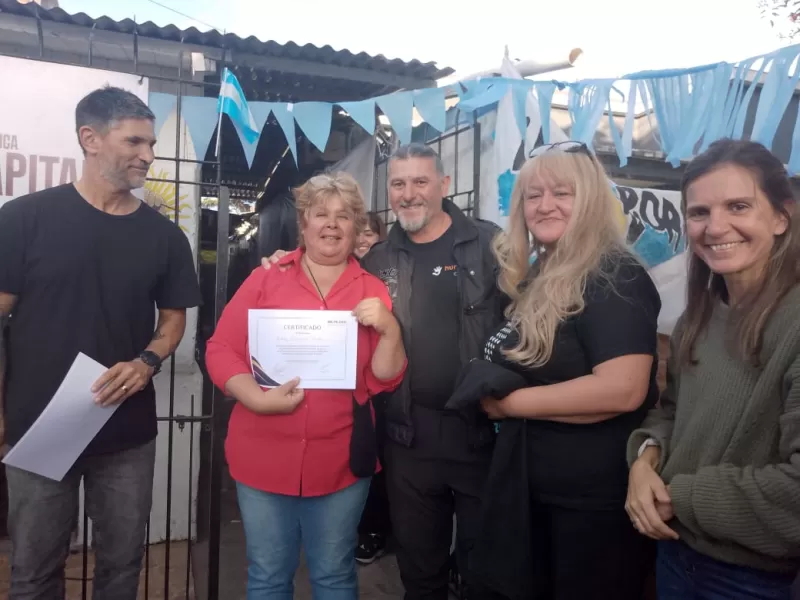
458, 158
215, 483
91, 44
189, 503
170, 429
136, 47
476, 167
39, 31
376, 163
217, 415
85, 561
218, 145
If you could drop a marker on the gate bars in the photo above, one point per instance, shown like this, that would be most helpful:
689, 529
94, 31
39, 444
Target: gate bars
209, 417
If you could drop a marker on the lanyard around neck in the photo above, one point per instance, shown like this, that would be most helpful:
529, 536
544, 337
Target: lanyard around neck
316, 285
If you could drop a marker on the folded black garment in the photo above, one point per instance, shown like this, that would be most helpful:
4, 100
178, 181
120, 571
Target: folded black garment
481, 379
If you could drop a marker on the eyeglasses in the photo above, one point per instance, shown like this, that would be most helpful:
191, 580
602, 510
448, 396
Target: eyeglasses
568, 146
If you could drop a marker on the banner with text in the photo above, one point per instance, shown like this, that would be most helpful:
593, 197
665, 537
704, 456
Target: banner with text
38, 143
655, 231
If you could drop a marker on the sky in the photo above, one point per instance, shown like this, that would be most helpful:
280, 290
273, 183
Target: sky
617, 36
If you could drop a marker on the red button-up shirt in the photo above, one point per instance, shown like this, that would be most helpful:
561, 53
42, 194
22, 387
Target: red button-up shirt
307, 452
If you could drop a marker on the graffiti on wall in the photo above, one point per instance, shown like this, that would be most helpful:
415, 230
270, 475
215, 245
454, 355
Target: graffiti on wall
654, 222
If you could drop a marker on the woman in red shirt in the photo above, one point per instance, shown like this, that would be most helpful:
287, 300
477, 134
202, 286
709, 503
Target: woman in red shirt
289, 449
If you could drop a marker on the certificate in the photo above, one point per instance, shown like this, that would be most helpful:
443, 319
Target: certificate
318, 346
66, 426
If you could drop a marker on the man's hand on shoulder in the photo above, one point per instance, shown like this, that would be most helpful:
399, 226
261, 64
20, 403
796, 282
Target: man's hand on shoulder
122, 381
267, 262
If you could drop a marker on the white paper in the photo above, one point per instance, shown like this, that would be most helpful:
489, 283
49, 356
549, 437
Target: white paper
66, 426
318, 346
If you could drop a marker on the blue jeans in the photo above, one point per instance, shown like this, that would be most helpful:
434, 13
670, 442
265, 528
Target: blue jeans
683, 574
326, 527
42, 514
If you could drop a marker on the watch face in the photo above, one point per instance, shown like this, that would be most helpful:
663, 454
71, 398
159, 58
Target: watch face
150, 359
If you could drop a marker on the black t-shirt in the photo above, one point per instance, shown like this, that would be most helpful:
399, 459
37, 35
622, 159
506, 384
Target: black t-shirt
584, 466
434, 351
89, 282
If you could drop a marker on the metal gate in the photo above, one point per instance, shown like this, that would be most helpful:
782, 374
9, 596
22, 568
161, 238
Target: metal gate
190, 570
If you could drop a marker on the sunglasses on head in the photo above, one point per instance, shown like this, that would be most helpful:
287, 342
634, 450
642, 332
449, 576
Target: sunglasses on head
567, 146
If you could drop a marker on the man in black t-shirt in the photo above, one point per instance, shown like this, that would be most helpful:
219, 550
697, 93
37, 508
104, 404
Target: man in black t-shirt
83, 268
441, 274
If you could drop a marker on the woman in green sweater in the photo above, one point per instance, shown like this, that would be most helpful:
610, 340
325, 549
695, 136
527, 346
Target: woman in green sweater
715, 472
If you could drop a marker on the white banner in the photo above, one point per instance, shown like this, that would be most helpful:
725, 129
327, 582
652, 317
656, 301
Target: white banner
38, 142
655, 231
510, 150
360, 163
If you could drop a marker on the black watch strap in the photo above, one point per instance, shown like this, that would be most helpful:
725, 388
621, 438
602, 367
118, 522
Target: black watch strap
151, 359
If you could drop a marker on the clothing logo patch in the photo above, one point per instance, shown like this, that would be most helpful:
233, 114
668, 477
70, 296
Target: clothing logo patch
446, 269
389, 278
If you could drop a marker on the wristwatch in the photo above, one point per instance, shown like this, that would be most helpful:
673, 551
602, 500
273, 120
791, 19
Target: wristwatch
151, 359
646, 444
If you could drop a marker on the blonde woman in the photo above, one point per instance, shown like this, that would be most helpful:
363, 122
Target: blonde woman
302, 459
581, 330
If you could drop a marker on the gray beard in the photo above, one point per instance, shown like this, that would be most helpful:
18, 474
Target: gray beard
413, 226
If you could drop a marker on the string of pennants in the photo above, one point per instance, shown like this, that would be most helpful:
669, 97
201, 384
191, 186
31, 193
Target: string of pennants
691, 107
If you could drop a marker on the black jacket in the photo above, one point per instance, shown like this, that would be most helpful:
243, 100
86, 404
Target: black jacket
482, 306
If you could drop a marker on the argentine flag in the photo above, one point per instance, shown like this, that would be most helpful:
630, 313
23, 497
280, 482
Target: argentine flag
233, 103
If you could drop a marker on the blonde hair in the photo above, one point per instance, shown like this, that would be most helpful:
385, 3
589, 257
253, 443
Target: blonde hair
320, 188
550, 291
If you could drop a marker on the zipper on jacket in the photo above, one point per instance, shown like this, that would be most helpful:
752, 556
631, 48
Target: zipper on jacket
461, 301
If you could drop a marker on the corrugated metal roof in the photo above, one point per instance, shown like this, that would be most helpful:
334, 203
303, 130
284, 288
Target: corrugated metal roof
308, 52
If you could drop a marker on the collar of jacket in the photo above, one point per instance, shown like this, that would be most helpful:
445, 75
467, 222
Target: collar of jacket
463, 227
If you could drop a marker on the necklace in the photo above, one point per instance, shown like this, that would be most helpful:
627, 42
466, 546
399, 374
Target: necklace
314, 280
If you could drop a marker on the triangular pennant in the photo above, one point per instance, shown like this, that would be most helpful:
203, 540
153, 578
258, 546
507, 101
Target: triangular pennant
487, 96
545, 91
162, 106
260, 112
473, 87
399, 109
519, 95
362, 112
314, 118
285, 119
430, 105
200, 115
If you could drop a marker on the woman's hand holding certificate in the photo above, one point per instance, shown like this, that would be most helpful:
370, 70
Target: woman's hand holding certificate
281, 400
371, 312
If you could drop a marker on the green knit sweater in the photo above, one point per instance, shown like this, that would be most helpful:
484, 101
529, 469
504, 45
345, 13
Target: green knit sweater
730, 439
